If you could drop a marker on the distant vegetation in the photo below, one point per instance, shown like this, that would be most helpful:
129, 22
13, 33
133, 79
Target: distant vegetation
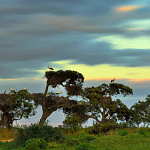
109, 115
120, 139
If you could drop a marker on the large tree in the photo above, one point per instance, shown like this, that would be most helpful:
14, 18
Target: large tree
15, 105
102, 103
71, 80
76, 114
99, 105
141, 113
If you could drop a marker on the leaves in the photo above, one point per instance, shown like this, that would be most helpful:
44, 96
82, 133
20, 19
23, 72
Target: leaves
101, 103
15, 105
71, 80
141, 112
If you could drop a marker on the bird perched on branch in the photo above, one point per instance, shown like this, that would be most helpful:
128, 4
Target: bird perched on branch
112, 80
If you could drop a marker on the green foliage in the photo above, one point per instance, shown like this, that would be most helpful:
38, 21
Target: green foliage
122, 132
74, 121
132, 141
36, 144
141, 112
45, 132
103, 127
73, 79
101, 104
15, 105
76, 115
23, 104
144, 132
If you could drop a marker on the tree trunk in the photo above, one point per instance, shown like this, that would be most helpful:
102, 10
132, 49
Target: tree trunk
46, 89
45, 115
6, 120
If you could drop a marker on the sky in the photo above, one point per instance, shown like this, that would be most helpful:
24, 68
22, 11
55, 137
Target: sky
102, 39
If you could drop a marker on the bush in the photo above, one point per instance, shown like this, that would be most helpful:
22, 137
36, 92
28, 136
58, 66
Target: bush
47, 133
103, 127
144, 132
36, 144
123, 132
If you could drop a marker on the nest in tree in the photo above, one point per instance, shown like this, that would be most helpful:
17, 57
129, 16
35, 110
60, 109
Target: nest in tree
61, 76
71, 80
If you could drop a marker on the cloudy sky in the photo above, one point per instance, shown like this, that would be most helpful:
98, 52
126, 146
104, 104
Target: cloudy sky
103, 39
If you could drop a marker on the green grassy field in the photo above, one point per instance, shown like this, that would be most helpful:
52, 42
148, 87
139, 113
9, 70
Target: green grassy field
117, 140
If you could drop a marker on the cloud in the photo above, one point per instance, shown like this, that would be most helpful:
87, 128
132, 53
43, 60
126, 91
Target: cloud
106, 72
33, 33
127, 8
25, 58
121, 42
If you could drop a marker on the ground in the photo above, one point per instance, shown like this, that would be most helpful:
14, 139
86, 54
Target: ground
124, 139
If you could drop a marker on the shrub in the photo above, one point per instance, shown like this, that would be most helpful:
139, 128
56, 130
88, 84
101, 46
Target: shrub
103, 127
144, 132
36, 144
47, 133
123, 132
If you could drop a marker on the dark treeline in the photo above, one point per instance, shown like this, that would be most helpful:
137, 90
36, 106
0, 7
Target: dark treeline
98, 103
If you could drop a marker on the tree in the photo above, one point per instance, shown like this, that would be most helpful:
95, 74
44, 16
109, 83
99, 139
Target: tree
141, 112
71, 80
102, 107
72, 122
14, 106
76, 115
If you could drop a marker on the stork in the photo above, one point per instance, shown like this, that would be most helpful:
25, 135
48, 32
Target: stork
112, 80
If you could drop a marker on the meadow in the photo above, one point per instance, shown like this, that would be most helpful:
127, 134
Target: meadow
120, 139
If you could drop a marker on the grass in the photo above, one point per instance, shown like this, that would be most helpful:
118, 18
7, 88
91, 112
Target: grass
134, 140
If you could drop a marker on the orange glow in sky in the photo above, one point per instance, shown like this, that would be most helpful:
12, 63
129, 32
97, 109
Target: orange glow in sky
127, 8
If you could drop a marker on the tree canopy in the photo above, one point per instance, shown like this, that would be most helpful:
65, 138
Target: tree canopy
102, 106
15, 105
72, 81
99, 103
141, 112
